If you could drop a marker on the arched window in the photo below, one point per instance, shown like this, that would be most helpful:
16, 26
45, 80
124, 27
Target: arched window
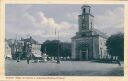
91, 24
84, 10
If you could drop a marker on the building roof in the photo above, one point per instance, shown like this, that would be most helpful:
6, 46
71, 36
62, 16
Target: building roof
85, 5
98, 32
10, 41
95, 32
74, 37
31, 40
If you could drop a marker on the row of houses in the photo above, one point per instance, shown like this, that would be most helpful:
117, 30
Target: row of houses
21, 49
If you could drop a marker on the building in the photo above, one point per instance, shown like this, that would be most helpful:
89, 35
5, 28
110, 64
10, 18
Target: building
11, 45
89, 43
17, 49
36, 51
32, 46
20, 49
7, 50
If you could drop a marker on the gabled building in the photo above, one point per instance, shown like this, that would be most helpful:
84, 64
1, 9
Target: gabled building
89, 43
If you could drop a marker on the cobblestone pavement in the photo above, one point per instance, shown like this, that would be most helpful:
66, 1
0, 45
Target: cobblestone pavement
65, 68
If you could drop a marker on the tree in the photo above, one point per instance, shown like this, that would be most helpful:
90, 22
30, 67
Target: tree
53, 47
50, 47
115, 45
65, 49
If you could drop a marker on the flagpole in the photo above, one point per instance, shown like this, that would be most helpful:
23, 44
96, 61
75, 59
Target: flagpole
58, 60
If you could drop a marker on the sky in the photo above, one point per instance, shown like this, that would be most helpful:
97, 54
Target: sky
42, 20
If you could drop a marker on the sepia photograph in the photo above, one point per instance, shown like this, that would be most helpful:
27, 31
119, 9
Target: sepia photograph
64, 40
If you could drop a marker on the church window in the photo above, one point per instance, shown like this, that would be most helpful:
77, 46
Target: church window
83, 17
91, 24
84, 10
83, 35
101, 52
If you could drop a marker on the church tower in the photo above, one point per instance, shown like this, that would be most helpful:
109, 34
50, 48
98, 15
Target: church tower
85, 20
88, 43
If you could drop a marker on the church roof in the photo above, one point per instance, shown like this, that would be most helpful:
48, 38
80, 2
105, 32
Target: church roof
76, 36
95, 32
98, 32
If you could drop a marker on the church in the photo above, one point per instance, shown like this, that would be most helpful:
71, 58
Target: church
88, 43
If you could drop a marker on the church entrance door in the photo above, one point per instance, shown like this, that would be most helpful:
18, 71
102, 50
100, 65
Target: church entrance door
84, 54
83, 51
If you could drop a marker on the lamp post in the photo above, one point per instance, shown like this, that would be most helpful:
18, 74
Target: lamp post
58, 60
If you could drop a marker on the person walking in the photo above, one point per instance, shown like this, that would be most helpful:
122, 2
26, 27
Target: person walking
118, 62
29, 52
18, 57
28, 58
